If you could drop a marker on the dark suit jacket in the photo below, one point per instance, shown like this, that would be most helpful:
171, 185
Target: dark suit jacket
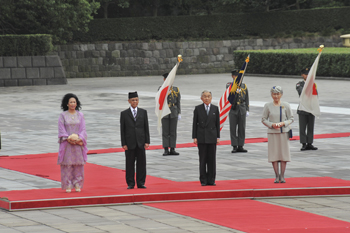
134, 133
206, 128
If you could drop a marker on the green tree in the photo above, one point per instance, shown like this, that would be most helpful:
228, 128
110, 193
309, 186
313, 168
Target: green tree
266, 5
330, 3
186, 7
60, 18
197, 7
106, 3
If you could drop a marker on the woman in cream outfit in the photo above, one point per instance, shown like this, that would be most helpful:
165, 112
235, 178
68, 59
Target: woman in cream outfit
277, 117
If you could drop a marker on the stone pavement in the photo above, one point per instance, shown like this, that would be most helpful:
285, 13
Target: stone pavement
28, 123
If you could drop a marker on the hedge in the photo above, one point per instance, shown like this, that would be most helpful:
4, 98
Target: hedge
215, 26
25, 45
290, 61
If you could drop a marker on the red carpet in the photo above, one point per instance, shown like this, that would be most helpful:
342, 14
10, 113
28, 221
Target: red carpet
255, 217
105, 185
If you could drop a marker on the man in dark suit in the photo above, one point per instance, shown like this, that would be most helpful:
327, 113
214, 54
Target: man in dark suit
206, 134
134, 134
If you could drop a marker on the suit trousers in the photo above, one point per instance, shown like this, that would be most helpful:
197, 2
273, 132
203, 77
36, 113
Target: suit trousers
207, 162
138, 155
169, 126
306, 128
237, 128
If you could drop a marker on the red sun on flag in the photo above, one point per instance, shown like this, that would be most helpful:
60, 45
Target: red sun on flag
162, 96
314, 89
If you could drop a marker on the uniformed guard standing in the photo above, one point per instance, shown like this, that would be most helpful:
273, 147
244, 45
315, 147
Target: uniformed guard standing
237, 115
306, 119
169, 122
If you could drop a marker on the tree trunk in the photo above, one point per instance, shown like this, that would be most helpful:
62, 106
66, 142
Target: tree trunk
105, 10
297, 4
155, 8
155, 11
267, 5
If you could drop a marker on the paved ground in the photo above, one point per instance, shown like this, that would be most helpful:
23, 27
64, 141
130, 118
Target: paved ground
28, 123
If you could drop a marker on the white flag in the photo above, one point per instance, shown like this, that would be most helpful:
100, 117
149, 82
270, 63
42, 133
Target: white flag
162, 108
308, 97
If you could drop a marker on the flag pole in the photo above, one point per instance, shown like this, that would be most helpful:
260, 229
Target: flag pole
234, 103
320, 48
162, 108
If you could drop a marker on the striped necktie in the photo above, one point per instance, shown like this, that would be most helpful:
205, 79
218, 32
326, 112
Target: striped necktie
134, 114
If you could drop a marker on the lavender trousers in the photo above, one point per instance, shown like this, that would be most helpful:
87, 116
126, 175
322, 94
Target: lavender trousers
72, 176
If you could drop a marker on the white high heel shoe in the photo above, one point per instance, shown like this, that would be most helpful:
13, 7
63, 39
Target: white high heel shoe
77, 189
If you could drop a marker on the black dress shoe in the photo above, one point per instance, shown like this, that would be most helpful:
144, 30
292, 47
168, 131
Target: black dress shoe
241, 149
304, 147
141, 187
234, 149
311, 147
130, 187
166, 152
173, 152
212, 184
203, 184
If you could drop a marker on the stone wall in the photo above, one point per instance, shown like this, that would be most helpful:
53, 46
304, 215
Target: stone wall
156, 58
31, 70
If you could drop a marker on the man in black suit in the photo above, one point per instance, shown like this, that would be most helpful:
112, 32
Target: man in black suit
134, 134
206, 134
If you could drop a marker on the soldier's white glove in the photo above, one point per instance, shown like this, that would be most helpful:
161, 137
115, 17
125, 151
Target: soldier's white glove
179, 117
247, 114
238, 90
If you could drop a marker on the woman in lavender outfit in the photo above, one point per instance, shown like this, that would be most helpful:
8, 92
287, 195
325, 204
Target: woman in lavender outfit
72, 137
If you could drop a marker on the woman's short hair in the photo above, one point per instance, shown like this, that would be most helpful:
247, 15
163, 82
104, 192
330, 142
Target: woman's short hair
65, 100
276, 89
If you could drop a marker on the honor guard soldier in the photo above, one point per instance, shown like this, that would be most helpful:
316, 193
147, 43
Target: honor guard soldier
306, 119
238, 114
169, 122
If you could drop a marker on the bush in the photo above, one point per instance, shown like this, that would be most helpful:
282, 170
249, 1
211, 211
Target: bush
290, 61
25, 45
59, 18
226, 26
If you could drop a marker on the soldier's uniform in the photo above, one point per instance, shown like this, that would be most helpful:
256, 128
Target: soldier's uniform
237, 117
306, 120
169, 122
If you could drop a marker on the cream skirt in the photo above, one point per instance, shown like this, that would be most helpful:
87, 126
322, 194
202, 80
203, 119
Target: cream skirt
278, 147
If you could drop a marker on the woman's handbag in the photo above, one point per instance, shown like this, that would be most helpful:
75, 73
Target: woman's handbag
290, 132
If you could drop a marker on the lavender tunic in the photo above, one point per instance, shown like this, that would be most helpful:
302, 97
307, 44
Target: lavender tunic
68, 124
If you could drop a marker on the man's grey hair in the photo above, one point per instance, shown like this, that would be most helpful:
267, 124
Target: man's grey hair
206, 91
